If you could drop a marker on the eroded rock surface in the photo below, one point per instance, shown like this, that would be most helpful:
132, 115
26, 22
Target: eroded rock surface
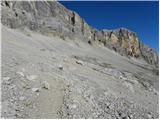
51, 18
54, 65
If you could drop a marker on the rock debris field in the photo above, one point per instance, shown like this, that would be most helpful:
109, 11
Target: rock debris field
54, 76
68, 81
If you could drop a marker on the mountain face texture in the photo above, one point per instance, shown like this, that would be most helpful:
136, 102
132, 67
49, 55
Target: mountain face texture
54, 65
52, 18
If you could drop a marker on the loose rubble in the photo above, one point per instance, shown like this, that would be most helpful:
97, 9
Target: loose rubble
31, 77
46, 85
35, 89
60, 67
79, 62
46, 77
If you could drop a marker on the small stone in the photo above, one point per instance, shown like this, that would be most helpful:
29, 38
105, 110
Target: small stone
26, 86
35, 89
28, 103
80, 62
6, 78
73, 106
123, 116
131, 116
149, 116
18, 115
20, 73
46, 85
60, 67
117, 115
65, 59
31, 77
22, 98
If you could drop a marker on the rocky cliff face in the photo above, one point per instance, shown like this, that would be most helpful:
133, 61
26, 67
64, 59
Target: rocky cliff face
54, 65
51, 18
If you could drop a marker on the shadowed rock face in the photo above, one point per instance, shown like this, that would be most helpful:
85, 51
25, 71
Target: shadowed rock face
51, 18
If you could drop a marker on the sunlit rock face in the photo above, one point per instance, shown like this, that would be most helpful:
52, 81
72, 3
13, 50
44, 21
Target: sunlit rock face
51, 18
124, 42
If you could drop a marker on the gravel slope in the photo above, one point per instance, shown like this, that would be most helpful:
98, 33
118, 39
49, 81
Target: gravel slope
47, 77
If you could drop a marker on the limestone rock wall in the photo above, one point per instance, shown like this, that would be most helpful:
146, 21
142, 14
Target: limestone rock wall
51, 18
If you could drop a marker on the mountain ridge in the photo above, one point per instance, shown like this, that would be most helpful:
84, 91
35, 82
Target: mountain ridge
66, 23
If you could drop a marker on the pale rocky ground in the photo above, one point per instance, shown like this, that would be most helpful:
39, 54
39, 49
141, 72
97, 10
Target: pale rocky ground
47, 77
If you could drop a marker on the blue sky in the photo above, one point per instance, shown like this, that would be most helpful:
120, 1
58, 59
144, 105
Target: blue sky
138, 16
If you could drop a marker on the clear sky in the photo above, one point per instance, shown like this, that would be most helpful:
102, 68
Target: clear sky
138, 16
